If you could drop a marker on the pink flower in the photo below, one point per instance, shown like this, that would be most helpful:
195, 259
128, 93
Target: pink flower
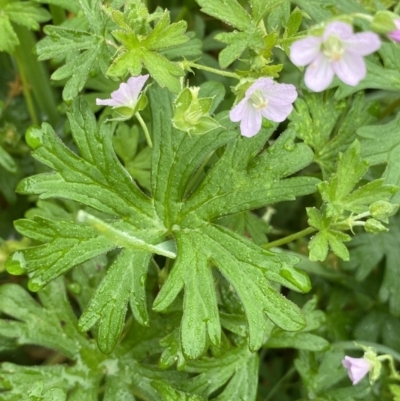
127, 94
357, 368
395, 35
338, 51
264, 98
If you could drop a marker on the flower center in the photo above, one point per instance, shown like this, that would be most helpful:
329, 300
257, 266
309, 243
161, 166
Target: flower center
258, 101
333, 48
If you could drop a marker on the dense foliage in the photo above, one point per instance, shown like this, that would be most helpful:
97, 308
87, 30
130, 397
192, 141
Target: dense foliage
199, 200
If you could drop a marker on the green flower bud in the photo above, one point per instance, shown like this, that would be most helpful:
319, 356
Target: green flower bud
381, 210
383, 22
376, 364
191, 113
374, 226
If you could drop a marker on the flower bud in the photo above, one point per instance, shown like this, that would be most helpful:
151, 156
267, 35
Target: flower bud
191, 113
374, 226
381, 210
383, 22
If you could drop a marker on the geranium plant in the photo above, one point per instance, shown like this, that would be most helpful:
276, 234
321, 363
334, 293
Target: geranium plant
199, 200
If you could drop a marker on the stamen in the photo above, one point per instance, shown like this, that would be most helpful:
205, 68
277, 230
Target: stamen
333, 48
258, 101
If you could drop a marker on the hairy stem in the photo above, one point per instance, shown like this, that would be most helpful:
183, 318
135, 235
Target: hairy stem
290, 238
146, 131
213, 70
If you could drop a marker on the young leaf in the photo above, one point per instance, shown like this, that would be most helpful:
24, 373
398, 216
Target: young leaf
26, 13
92, 50
325, 237
260, 8
168, 393
228, 11
144, 50
338, 192
238, 367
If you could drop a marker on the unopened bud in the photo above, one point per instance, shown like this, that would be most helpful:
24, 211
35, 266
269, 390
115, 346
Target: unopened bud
374, 226
383, 22
381, 210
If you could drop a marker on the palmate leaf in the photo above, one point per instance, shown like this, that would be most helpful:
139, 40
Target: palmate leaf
151, 50
53, 325
26, 13
124, 219
316, 121
340, 192
120, 376
247, 35
238, 367
229, 187
90, 47
98, 181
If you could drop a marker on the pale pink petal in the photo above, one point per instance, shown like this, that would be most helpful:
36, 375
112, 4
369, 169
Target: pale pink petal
239, 111
262, 84
281, 94
319, 74
251, 122
136, 85
106, 102
304, 51
122, 95
357, 368
127, 94
277, 113
362, 44
339, 29
350, 69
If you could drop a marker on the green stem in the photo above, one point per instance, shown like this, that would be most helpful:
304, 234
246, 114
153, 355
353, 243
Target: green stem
393, 372
36, 75
366, 17
382, 349
290, 238
26, 87
287, 375
213, 70
144, 126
